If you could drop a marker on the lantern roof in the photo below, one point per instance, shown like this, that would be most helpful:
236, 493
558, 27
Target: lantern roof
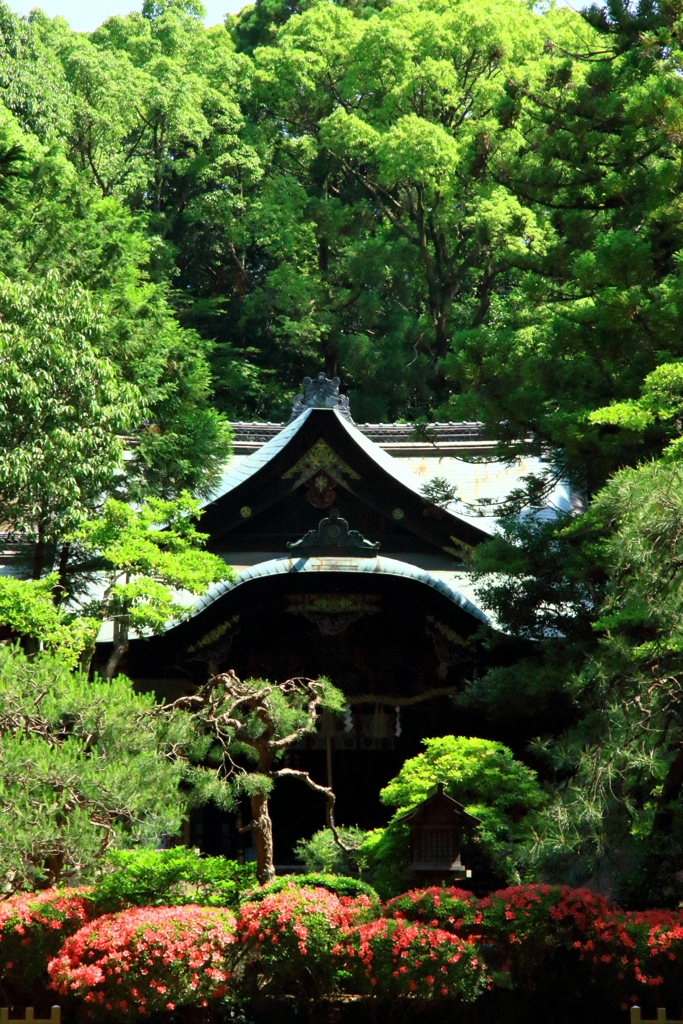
438, 801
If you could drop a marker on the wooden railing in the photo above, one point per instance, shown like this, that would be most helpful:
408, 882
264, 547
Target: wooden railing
661, 1017
54, 1018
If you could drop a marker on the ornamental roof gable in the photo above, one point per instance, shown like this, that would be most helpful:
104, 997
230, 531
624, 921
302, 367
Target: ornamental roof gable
319, 461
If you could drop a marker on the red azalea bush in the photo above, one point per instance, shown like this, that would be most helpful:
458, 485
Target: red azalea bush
454, 910
146, 959
394, 958
550, 935
33, 926
648, 953
287, 938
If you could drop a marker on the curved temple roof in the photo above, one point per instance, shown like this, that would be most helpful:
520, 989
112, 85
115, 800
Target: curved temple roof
379, 564
257, 460
243, 470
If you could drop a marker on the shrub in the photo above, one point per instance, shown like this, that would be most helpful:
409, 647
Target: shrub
33, 927
454, 910
288, 936
159, 878
147, 959
340, 885
386, 855
398, 958
647, 951
549, 935
63, 807
320, 853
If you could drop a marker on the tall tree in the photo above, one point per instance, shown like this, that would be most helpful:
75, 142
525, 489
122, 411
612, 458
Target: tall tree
396, 122
63, 412
598, 311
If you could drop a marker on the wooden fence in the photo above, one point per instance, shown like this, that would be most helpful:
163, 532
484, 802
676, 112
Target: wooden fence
54, 1018
661, 1017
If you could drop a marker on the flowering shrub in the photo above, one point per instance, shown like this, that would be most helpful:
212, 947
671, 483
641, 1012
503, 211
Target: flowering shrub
647, 949
453, 909
33, 926
146, 959
287, 939
397, 958
550, 935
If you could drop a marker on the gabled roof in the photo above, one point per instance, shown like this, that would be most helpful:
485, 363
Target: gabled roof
233, 477
374, 478
441, 798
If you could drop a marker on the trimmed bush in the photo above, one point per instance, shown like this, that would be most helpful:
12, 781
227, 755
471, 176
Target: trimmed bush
394, 958
33, 927
454, 910
170, 878
287, 940
646, 951
340, 885
147, 959
547, 936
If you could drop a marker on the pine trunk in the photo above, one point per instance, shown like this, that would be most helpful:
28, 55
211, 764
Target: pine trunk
262, 829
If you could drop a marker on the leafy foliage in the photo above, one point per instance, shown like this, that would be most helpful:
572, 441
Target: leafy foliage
400, 958
623, 783
141, 553
287, 939
321, 853
62, 409
467, 210
541, 934
169, 878
340, 885
480, 774
258, 721
444, 907
83, 766
33, 926
28, 610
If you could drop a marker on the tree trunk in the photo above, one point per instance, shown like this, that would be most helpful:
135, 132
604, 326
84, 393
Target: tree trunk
262, 828
120, 646
60, 590
671, 790
38, 553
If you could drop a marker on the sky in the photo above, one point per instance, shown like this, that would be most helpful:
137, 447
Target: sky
86, 15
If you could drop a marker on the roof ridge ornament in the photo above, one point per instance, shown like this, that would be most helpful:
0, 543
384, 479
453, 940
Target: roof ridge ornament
320, 392
333, 531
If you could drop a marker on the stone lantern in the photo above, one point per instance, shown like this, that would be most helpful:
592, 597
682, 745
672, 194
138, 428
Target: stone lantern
436, 827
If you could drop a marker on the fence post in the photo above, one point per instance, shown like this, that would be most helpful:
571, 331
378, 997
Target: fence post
55, 1016
635, 1015
661, 1015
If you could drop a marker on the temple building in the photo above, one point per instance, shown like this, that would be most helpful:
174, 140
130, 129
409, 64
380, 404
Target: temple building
348, 543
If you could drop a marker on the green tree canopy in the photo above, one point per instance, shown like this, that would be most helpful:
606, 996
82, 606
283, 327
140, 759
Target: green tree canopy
141, 557
482, 775
84, 766
63, 409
